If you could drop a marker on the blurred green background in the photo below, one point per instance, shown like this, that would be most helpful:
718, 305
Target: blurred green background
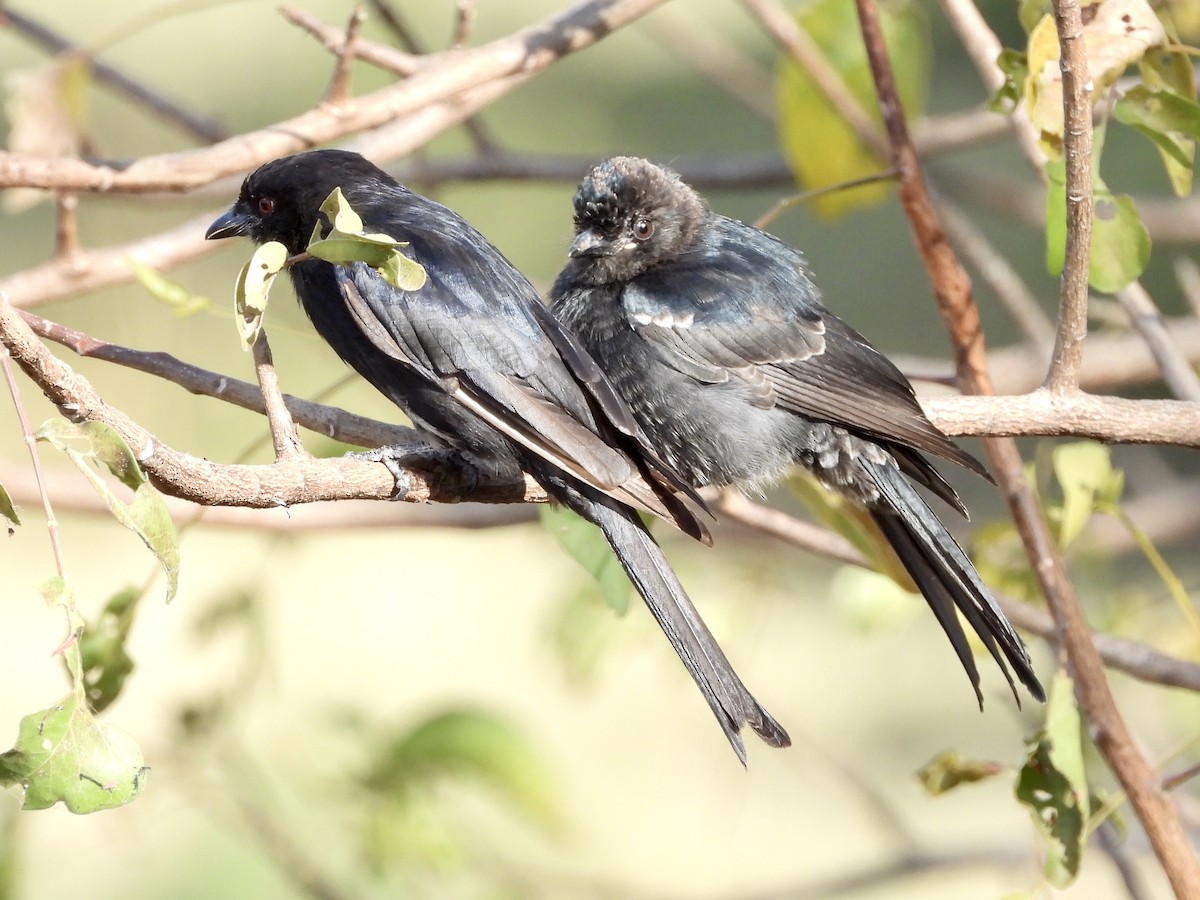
289, 660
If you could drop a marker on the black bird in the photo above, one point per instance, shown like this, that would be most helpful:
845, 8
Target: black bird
479, 364
715, 335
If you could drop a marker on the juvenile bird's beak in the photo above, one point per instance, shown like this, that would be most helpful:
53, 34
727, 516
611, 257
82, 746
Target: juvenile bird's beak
588, 243
230, 223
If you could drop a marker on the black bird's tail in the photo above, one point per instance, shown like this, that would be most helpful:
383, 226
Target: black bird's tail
947, 578
644, 563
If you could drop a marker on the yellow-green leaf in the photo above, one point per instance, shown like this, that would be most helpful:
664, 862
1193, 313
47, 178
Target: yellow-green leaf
820, 147
948, 770
253, 288
1170, 120
7, 509
1084, 471
175, 295
337, 209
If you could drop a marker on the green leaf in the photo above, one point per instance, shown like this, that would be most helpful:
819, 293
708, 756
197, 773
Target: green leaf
146, 515
406, 274
106, 661
1173, 583
175, 295
948, 770
587, 546
1120, 246
820, 148
468, 743
1015, 68
7, 509
1170, 121
337, 209
1053, 784
1030, 12
253, 288
1084, 472
63, 754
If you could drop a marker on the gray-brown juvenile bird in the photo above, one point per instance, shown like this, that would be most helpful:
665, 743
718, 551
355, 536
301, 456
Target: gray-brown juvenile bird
715, 335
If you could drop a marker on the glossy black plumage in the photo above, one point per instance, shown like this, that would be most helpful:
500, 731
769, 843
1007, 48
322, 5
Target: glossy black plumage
715, 334
479, 364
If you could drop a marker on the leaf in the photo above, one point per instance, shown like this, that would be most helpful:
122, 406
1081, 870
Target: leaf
63, 754
1053, 784
175, 295
1173, 583
146, 515
106, 661
253, 288
948, 770
348, 243
1116, 34
820, 147
1170, 121
469, 743
1120, 246
1084, 472
1016, 70
587, 546
7, 509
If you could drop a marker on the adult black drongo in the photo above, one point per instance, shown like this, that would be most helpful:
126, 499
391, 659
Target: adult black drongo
481, 366
715, 335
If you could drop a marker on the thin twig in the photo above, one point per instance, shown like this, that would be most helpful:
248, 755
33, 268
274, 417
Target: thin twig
464, 20
1077, 152
999, 273
66, 227
786, 203
1187, 273
284, 437
31, 445
1147, 321
339, 85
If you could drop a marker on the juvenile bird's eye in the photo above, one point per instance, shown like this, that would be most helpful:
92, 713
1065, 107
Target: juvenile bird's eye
266, 205
643, 228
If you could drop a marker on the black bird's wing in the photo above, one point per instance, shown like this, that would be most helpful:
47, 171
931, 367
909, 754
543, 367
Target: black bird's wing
741, 305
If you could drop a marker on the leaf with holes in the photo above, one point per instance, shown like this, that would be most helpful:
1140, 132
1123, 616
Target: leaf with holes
251, 293
1053, 784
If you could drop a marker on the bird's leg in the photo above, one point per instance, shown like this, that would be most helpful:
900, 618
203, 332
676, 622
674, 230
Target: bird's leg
399, 458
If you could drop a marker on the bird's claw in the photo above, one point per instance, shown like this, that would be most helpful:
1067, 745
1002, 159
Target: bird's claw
397, 458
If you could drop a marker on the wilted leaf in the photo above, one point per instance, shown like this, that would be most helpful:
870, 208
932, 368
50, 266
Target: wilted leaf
472, 744
175, 295
948, 770
146, 515
820, 147
1116, 33
1053, 784
1120, 246
7, 509
253, 289
587, 546
347, 243
64, 754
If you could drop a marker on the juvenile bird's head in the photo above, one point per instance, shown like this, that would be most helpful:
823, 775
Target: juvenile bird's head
629, 215
280, 201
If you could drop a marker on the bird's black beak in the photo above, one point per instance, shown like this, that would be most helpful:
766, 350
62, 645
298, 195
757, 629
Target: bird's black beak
231, 223
590, 244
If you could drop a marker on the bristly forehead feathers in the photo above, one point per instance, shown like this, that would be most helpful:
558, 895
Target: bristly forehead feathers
627, 185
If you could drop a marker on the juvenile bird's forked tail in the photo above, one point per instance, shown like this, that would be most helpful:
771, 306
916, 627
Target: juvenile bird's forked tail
644, 563
948, 581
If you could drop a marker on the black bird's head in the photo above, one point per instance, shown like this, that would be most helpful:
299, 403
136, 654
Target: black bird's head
629, 215
281, 200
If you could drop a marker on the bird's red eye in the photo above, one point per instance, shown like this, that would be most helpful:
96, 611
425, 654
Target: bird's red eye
643, 228
266, 205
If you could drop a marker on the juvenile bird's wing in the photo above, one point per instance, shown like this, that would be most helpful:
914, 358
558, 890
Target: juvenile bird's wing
742, 305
